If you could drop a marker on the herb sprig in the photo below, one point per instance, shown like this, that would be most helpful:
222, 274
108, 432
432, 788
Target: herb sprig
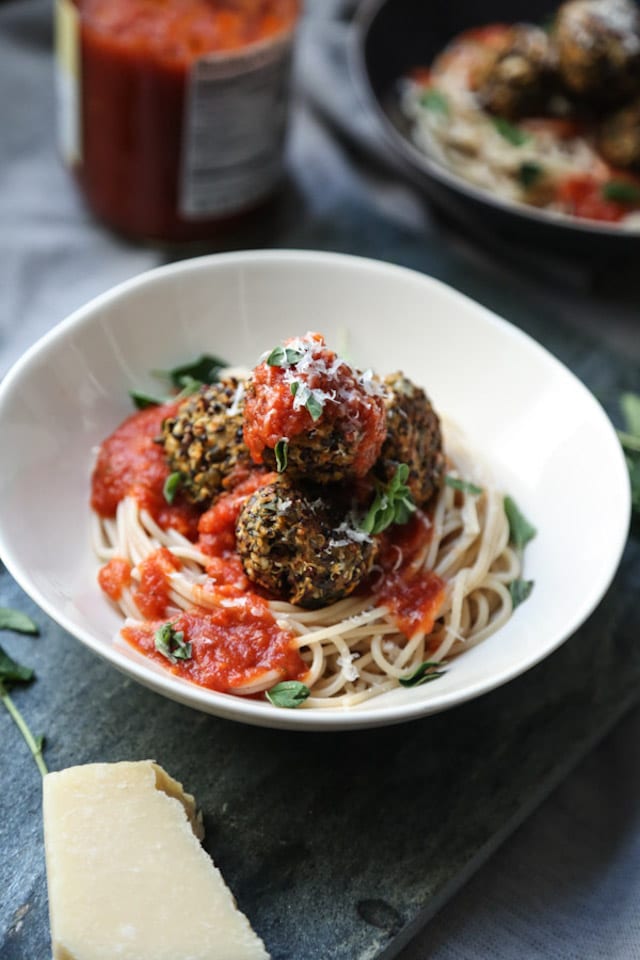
630, 440
520, 533
427, 671
171, 643
392, 504
12, 673
289, 694
187, 379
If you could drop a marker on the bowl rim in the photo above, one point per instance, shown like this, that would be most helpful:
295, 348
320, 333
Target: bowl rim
422, 165
366, 715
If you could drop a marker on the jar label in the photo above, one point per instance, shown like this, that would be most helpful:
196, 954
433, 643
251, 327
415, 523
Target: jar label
234, 127
67, 31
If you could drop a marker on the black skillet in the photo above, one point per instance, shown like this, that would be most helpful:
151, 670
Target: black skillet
391, 37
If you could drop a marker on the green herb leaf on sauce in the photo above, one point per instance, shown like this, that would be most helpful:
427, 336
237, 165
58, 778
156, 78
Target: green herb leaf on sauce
520, 590
284, 357
171, 486
515, 135
392, 504
464, 486
288, 694
281, 451
309, 399
435, 100
143, 400
17, 621
314, 406
171, 643
427, 671
621, 191
529, 173
520, 530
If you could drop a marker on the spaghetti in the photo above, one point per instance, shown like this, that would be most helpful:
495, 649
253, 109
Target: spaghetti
457, 555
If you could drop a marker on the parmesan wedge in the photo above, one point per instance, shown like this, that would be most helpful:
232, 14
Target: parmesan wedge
127, 876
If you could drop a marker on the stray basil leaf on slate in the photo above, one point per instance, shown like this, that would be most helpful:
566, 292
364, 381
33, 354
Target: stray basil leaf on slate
171, 643
465, 486
289, 694
520, 530
392, 504
520, 590
13, 672
630, 404
171, 486
427, 671
17, 621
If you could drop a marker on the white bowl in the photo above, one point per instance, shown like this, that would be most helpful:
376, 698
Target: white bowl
547, 440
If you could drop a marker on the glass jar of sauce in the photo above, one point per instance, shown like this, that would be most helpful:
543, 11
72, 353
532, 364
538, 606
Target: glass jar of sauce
173, 112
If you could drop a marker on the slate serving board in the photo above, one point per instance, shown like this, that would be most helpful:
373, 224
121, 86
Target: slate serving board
338, 846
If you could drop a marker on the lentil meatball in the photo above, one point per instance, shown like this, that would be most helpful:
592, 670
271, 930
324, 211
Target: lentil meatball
413, 437
598, 44
204, 440
619, 137
301, 545
329, 416
518, 77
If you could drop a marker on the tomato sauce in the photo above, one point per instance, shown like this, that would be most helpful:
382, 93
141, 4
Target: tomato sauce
131, 463
136, 62
114, 577
272, 414
236, 644
414, 597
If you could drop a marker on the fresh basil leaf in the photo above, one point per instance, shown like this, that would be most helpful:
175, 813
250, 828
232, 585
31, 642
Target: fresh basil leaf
633, 463
13, 672
171, 486
189, 387
392, 504
435, 100
144, 400
281, 451
288, 694
516, 136
171, 643
427, 671
314, 406
206, 369
17, 621
284, 357
621, 191
464, 486
520, 530
294, 386
520, 590
630, 404
529, 173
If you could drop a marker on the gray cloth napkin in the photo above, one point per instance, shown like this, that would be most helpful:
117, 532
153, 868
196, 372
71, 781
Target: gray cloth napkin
567, 885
